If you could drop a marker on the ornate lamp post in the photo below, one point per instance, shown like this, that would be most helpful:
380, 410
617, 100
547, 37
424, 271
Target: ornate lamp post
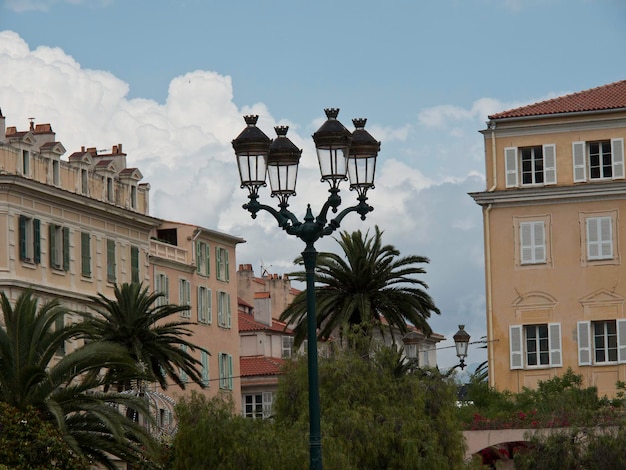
342, 155
461, 343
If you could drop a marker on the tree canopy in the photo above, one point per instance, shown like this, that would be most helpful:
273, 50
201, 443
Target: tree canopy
369, 286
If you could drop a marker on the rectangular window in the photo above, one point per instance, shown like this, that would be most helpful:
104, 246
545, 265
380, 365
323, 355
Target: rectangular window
532, 242
598, 160
599, 238
601, 342
111, 267
204, 359
223, 309
535, 345
25, 162
204, 305
410, 351
537, 352
56, 174
527, 166
287, 349
85, 254
59, 247
221, 255
258, 405
162, 286
134, 264
133, 197
110, 195
84, 181
29, 233
202, 258
532, 165
226, 371
184, 296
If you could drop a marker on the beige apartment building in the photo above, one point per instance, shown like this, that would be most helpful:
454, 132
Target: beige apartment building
553, 237
195, 266
73, 227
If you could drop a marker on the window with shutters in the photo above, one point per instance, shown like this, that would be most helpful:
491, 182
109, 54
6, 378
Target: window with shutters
162, 286
111, 263
85, 254
223, 309
134, 264
29, 233
598, 160
184, 296
601, 342
59, 247
225, 363
203, 258
599, 237
204, 305
535, 346
181, 373
532, 241
221, 255
528, 166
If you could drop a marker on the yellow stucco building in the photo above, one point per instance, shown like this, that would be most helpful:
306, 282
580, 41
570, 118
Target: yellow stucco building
552, 210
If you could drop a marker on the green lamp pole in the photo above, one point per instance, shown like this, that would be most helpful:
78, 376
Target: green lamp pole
342, 156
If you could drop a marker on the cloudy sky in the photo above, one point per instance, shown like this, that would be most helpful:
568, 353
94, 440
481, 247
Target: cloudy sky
170, 80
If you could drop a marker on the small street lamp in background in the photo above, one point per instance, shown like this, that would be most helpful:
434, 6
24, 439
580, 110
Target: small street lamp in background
461, 342
342, 155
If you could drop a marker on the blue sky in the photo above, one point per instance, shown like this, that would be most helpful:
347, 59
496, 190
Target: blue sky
171, 80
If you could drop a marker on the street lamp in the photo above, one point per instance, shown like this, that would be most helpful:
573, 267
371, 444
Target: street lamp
461, 342
342, 155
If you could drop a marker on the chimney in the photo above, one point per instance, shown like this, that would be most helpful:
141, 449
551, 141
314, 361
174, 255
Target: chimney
3, 130
263, 308
32, 123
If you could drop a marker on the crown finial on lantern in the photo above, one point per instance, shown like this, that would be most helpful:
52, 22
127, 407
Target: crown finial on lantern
251, 119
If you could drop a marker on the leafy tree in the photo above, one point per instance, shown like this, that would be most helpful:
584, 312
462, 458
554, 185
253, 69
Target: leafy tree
29, 443
64, 389
135, 320
371, 281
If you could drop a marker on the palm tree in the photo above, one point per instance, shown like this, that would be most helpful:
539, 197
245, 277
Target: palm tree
134, 320
64, 388
369, 286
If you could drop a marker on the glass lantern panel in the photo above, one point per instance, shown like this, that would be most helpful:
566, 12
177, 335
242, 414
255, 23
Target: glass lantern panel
283, 178
361, 171
333, 162
251, 169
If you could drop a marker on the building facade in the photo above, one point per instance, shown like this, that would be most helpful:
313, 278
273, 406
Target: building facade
194, 266
552, 211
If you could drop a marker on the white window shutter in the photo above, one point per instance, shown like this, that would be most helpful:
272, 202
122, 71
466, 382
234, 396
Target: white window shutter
617, 152
526, 244
606, 238
539, 242
584, 343
515, 343
549, 164
267, 404
578, 155
554, 344
510, 166
593, 243
621, 340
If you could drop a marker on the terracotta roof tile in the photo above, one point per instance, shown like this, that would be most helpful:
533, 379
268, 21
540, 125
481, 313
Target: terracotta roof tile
611, 96
248, 323
259, 365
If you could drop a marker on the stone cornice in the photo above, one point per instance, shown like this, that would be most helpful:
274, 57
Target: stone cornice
552, 194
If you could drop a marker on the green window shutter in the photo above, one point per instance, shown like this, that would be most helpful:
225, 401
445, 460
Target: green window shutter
66, 248
199, 257
226, 270
218, 263
111, 260
228, 315
52, 239
37, 240
85, 254
22, 236
205, 367
134, 264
